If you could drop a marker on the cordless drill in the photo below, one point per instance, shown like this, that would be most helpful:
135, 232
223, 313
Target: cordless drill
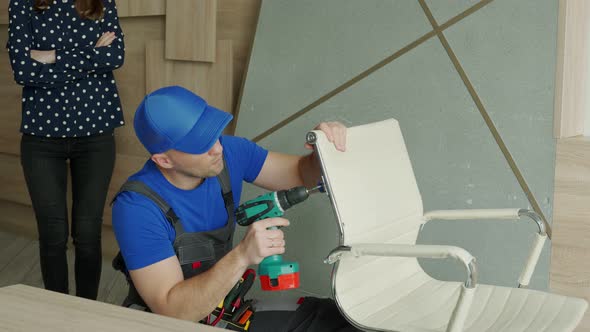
275, 274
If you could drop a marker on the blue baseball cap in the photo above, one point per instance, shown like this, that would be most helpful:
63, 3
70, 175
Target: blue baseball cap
176, 118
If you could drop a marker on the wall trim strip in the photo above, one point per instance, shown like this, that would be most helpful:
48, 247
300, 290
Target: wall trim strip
371, 69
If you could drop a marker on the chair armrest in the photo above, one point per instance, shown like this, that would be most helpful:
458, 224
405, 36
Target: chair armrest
507, 214
405, 250
460, 313
472, 214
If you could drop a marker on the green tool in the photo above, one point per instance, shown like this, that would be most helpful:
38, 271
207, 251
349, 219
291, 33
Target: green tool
275, 274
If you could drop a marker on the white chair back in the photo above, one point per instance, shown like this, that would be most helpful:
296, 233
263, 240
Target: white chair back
372, 184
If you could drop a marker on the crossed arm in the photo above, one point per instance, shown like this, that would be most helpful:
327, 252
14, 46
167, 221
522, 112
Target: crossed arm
49, 57
53, 68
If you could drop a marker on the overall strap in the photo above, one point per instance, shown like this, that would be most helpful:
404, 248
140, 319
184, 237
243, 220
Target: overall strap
143, 189
228, 198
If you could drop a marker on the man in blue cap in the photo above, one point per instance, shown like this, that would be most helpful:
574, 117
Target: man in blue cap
174, 218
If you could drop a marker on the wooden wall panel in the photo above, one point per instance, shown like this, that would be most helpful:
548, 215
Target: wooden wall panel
212, 81
572, 84
570, 266
4, 12
18, 219
10, 92
13, 188
125, 8
131, 77
220, 77
128, 8
236, 21
191, 30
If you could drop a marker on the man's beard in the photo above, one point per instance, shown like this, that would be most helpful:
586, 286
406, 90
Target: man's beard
203, 175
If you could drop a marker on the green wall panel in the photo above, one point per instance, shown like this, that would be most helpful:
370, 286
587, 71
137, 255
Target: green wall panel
508, 50
444, 10
304, 49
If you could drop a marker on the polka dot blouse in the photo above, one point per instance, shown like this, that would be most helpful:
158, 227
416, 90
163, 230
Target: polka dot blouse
76, 96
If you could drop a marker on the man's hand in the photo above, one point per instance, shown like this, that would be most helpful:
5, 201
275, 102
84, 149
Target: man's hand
260, 242
282, 171
43, 56
335, 132
106, 39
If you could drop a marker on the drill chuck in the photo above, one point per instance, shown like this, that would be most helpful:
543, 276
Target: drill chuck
293, 196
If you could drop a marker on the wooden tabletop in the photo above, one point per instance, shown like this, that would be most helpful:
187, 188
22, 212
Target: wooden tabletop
25, 308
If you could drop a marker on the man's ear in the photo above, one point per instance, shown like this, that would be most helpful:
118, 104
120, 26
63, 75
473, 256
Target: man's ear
162, 160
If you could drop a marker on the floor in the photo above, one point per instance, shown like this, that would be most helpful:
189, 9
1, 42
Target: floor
19, 264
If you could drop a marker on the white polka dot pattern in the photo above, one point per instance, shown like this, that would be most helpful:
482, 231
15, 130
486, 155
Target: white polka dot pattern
77, 95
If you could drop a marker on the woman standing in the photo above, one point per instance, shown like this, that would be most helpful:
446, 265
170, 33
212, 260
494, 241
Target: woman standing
63, 53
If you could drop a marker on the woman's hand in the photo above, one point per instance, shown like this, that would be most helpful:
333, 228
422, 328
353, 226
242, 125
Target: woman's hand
43, 56
106, 39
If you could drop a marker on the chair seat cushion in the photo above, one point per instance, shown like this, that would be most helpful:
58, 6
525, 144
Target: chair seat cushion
427, 304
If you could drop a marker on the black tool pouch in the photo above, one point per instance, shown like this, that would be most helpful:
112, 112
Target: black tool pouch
318, 315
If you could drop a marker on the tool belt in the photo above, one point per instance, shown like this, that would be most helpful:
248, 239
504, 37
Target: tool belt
234, 312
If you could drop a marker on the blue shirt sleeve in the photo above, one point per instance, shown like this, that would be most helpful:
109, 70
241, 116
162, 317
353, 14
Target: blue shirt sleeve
144, 235
248, 155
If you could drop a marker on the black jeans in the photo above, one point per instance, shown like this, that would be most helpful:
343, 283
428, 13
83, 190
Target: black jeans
44, 162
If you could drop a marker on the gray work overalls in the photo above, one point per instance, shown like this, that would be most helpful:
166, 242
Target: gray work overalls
196, 252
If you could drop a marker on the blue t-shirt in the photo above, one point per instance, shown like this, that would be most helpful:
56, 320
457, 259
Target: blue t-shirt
144, 234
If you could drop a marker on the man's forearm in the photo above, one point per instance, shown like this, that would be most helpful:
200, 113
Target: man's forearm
196, 297
309, 170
